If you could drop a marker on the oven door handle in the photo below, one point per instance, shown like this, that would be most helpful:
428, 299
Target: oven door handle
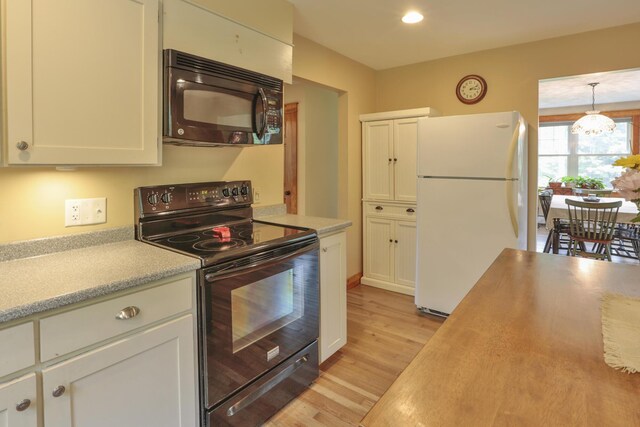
233, 269
281, 376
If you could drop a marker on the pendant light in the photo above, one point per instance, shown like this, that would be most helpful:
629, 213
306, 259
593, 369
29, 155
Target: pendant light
593, 123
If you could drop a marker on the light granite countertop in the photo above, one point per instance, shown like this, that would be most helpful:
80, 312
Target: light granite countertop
321, 225
33, 285
55, 272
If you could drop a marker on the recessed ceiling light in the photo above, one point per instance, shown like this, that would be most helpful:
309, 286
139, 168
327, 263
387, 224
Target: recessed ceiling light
412, 17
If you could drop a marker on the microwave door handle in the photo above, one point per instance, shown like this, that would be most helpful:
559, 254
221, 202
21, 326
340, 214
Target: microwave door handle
263, 98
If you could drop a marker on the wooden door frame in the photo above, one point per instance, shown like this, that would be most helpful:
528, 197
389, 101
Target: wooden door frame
291, 157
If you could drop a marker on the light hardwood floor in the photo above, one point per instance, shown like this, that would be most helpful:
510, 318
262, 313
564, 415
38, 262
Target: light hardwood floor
385, 332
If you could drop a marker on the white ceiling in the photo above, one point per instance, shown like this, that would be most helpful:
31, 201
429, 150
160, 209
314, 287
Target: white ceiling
370, 31
614, 87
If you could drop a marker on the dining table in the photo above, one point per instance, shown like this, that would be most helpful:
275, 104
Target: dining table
558, 209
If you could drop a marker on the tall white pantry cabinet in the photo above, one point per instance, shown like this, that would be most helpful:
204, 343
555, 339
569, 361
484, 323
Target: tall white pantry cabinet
389, 151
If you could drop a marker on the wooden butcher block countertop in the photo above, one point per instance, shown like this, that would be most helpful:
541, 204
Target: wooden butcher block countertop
524, 348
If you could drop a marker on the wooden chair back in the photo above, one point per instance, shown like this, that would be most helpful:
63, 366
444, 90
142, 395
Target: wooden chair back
545, 202
592, 222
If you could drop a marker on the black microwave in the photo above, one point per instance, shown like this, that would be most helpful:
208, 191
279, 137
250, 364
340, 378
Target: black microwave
209, 103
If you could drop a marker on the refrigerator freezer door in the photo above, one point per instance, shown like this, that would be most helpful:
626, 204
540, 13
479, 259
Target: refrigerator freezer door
462, 227
476, 146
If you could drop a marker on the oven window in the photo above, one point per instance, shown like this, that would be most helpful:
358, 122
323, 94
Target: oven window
218, 108
263, 307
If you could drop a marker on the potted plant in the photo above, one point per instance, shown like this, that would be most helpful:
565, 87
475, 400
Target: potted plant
554, 183
595, 183
568, 181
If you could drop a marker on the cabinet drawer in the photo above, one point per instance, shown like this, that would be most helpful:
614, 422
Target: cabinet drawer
405, 212
17, 348
73, 330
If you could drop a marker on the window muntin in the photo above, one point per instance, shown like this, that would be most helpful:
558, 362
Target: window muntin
563, 153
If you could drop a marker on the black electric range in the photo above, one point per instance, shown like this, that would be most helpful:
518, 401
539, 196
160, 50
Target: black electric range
258, 295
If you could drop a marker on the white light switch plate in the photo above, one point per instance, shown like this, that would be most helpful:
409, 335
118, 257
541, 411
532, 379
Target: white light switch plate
85, 211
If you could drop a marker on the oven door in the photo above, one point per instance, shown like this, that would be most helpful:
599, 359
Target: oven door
255, 313
202, 109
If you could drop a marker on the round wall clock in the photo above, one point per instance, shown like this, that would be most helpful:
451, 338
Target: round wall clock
471, 89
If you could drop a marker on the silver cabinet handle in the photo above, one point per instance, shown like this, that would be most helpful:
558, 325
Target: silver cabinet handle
22, 145
379, 208
58, 391
324, 249
23, 406
128, 313
411, 210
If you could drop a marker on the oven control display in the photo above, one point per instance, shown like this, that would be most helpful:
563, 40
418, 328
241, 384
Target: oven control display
206, 195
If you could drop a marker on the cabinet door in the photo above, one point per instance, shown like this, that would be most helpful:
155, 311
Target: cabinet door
82, 81
377, 160
405, 253
378, 256
12, 394
405, 151
333, 294
147, 379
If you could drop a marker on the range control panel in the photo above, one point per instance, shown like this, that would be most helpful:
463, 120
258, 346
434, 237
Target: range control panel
166, 198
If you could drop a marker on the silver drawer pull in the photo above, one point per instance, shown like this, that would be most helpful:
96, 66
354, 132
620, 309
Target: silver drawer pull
128, 313
22, 145
23, 406
58, 391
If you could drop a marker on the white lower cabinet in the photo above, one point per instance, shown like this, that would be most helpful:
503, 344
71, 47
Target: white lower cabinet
333, 294
18, 403
126, 361
143, 380
390, 247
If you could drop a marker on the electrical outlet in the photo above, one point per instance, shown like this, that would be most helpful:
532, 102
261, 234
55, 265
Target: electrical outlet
256, 194
85, 211
72, 213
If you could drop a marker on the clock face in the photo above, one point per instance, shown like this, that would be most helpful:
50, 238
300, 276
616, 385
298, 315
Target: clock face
471, 89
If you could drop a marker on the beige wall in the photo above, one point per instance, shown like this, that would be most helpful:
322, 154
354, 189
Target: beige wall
317, 148
33, 198
355, 84
512, 75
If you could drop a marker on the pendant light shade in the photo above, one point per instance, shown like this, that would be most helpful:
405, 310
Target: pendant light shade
593, 123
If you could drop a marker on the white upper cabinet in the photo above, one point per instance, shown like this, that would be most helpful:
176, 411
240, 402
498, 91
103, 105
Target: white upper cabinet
389, 150
82, 82
196, 27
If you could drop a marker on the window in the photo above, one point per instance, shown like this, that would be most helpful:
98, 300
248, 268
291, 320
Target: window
562, 153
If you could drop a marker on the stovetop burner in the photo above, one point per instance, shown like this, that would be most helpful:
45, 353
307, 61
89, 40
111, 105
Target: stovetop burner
217, 245
186, 238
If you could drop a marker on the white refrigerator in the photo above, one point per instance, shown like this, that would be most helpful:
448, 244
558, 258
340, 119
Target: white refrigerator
472, 201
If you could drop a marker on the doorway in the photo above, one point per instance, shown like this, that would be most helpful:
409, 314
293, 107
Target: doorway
316, 130
568, 160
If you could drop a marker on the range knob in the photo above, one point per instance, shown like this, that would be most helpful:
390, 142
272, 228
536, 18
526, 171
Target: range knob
225, 192
166, 197
153, 198
244, 190
235, 192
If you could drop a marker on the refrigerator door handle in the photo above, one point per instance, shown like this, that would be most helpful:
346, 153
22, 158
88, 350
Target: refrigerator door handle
511, 155
511, 204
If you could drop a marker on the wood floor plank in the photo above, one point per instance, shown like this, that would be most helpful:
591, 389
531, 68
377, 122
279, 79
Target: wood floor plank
385, 332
